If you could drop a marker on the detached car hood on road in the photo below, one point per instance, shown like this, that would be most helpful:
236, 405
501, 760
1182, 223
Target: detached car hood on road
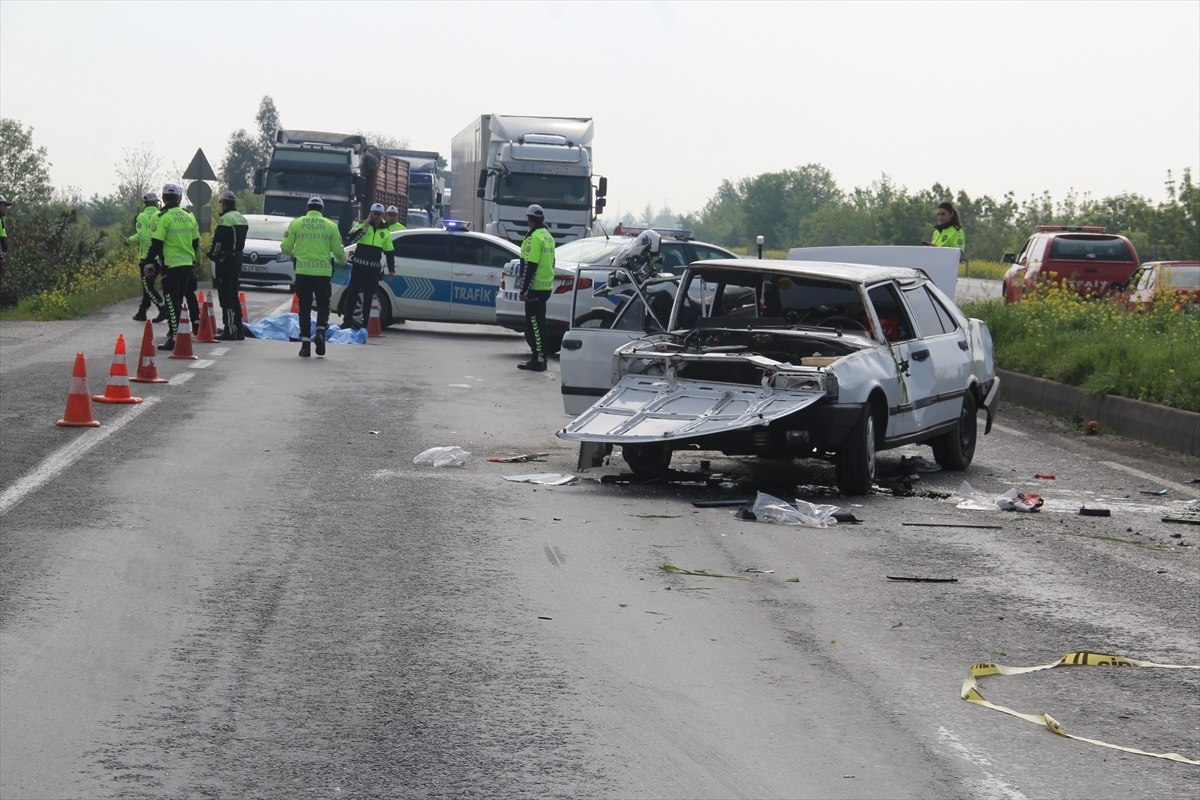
647, 409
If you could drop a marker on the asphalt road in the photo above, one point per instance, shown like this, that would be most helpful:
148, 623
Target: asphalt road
248, 590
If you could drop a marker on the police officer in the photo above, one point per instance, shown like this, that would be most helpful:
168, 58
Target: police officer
372, 240
313, 240
175, 245
392, 218
228, 241
3, 234
537, 279
141, 236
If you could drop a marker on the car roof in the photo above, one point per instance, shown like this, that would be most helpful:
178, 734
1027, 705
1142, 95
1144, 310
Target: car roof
857, 273
507, 245
266, 217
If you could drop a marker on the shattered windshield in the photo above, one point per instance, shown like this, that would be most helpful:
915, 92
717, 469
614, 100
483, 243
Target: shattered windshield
771, 299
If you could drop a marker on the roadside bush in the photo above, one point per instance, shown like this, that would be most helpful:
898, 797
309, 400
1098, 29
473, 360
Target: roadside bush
1099, 345
47, 243
94, 284
986, 270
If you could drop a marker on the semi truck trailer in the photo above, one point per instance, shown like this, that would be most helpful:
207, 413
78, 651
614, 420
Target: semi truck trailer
500, 165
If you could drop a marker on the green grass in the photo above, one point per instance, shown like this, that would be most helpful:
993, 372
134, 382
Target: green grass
1098, 345
81, 292
987, 270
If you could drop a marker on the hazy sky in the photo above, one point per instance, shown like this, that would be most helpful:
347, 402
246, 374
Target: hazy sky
990, 98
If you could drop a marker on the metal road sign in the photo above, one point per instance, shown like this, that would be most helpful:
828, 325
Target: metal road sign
199, 169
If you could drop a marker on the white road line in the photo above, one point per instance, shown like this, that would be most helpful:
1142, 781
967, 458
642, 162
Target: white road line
67, 455
181, 378
1010, 431
1155, 481
203, 363
219, 351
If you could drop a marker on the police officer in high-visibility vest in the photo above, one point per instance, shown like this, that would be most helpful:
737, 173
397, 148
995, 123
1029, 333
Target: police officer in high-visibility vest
175, 247
228, 241
537, 279
392, 217
313, 240
949, 229
3, 234
141, 237
372, 241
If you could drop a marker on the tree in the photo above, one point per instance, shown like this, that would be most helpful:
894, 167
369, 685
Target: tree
385, 141
24, 170
242, 157
268, 123
137, 173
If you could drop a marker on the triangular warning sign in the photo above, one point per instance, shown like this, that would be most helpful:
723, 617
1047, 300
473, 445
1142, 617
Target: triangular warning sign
199, 169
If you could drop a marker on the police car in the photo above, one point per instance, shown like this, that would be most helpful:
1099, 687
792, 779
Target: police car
448, 274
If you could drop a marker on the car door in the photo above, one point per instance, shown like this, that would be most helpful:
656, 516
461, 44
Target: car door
914, 375
422, 285
608, 311
476, 267
948, 353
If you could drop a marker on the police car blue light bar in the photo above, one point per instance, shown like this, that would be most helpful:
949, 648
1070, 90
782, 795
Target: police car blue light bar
456, 225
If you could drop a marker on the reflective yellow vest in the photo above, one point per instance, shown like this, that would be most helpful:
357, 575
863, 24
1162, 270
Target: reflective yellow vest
312, 239
949, 237
176, 228
142, 229
538, 249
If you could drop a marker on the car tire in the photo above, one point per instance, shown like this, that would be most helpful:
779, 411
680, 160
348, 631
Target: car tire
385, 308
855, 459
956, 449
647, 459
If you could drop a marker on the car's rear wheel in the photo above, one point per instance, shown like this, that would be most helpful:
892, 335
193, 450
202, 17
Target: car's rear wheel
956, 449
855, 459
647, 459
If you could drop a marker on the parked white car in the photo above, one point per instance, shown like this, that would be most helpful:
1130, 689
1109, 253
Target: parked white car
677, 249
442, 275
780, 359
263, 263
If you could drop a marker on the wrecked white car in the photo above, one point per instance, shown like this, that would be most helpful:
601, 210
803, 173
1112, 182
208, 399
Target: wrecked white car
778, 359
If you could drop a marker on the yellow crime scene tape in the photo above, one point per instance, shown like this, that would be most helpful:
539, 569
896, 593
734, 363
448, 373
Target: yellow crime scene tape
1079, 659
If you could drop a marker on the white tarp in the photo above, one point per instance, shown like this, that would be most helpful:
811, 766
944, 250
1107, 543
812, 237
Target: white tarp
940, 263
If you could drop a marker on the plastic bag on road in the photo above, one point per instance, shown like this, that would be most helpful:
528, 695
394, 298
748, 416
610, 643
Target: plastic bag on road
543, 478
768, 508
971, 499
1012, 500
442, 457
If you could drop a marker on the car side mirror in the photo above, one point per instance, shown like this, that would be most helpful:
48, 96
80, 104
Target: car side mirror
1009, 258
600, 203
482, 180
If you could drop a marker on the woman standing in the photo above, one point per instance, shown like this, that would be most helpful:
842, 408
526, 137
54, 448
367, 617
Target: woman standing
948, 232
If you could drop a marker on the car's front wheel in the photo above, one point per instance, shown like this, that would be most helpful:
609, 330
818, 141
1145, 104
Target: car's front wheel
956, 449
647, 459
855, 459
385, 308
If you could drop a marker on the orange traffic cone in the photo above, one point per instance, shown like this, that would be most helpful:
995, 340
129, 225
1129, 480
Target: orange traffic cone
183, 338
147, 371
245, 313
79, 402
212, 318
206, 334
373, 329
295, 303
117, 390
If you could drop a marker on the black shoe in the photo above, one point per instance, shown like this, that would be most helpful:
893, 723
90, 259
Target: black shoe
356, 327
241, 335
320, 342
169, 344
195, 329
304, 350
162, 316
226, 336
140, 316
533, 364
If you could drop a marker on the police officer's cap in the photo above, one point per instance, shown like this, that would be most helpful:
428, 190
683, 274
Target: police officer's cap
377, 208
392, 210
4, 202
229, 196
316, 201
150, 197
172, 190
535, 211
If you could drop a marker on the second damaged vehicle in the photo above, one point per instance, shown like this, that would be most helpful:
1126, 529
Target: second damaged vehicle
785, 360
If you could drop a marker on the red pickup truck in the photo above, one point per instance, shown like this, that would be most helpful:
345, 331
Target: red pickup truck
1085, 258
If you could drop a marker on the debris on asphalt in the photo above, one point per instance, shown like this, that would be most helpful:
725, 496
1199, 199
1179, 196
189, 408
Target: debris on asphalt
1012, 500
703, 573
922, 580
745, 513
518, 459
758, 571
1094, 512
951, 525
847, 519
741, 501
1158, 492
1092, 428
1182, 521
374, 433
442, 457
970, 499
1045, 477
768, 508
543, 478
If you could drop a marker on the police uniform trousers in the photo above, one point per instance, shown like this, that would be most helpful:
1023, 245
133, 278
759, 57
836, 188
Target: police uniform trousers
308, 289
535, 322
227, 280
364, 279
175, 283
150, 295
